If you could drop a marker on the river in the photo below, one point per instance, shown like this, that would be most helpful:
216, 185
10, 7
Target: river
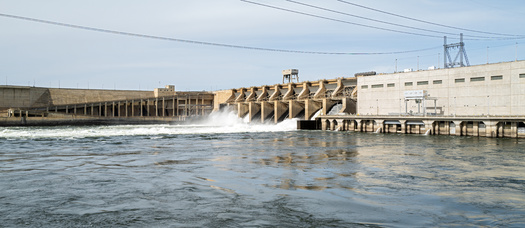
223, 172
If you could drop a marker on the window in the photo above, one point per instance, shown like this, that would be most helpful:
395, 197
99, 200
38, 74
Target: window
477, 79
422, 83
408, 83
435, 82
522, 75
364, 87
497, 77
459, 80
394, 85
377, 86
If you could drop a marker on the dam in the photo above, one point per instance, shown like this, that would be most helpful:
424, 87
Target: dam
483, 101
29, 106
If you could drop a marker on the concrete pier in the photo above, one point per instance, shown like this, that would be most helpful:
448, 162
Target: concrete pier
292, 100
491, 127
174, 106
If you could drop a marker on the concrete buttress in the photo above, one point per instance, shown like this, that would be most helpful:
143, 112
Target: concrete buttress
320, 93
254, 109
276, 94
280, 108
266, 110
304, 93
327, 105
242, 96
242, 109
310, 108
339, 89
264, 94
296, 107
252, 95
290, 94
349, 106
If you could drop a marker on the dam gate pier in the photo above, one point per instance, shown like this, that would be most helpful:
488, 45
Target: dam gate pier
304, 100
491, 127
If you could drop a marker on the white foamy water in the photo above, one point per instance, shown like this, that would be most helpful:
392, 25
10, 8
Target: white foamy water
218, 122
317, 114
335, 110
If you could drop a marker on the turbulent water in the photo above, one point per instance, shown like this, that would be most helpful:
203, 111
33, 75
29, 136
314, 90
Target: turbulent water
223, 172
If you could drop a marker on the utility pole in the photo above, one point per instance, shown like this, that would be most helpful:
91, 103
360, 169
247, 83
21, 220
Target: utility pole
516, 52
396, 67
487, 54
418, 63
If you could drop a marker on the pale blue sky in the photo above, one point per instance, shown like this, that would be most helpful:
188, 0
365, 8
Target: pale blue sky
47, 55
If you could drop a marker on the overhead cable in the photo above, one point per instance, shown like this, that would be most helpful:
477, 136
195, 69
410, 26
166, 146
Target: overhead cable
206, 43
428, 22
384, 22
342, 21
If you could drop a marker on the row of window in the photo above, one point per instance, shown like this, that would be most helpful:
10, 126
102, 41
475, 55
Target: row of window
479, 79
438, 82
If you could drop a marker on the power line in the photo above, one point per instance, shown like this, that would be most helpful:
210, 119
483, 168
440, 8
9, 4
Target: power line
428, 22
513, 10
342, 21
390, 23
205, 43
379, 21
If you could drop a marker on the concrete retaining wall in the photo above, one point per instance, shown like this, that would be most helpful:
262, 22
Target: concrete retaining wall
29, 97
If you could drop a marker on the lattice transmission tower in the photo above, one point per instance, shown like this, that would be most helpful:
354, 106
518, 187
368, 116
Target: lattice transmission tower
461, 54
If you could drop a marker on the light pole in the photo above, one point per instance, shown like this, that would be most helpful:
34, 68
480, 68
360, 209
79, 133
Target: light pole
396, 67
487, 55
516, 52
455, 107
488, 105
377, 106
400, 106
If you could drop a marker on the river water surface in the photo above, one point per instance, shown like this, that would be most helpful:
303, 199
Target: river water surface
225, 173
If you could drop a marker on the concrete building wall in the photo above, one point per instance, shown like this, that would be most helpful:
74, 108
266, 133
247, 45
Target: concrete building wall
22, 96
493, 89
74, 96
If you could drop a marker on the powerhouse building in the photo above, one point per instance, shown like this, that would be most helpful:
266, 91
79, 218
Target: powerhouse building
483, 90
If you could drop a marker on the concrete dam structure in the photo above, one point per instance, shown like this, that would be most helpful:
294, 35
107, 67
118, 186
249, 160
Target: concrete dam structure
480, 101
484, 100
26, 106
291, 100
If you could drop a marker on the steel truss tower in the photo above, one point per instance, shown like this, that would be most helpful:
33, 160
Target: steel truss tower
462, 54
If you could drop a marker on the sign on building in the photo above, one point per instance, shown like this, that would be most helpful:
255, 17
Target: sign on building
416, 94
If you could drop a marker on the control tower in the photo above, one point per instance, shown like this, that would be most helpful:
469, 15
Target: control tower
290, 75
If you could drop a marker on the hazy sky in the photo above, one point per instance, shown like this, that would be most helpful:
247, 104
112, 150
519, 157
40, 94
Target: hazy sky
45, 55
